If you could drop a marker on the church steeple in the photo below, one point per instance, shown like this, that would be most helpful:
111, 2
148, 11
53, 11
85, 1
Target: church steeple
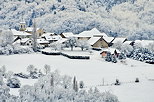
22, 26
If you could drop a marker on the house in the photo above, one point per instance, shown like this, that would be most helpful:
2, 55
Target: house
20, 34
100, 42
113, 51
86, 35
129, 43
51, 37
43, 42
67, 35
118, 40
26, 42
39, 31
29, 42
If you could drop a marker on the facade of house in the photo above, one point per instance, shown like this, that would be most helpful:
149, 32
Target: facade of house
39, 31
113, 51
98, 42
51, 37
29, 42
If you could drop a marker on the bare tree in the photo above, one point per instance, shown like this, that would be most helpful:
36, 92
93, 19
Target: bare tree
34, 37
47, 68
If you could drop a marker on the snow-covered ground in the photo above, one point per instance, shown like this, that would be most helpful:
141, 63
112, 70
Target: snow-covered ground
92, 72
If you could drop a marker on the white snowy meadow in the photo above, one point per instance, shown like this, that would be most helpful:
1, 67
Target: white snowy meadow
94, 73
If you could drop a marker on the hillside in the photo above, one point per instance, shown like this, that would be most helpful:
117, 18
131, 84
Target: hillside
129, 18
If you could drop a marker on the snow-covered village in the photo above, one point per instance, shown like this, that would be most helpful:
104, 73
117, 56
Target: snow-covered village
76, 51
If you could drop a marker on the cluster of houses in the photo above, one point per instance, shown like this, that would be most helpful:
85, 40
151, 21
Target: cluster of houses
94, 37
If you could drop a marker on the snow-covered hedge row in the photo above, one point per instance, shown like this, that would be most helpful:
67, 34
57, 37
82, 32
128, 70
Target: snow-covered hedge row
66, 55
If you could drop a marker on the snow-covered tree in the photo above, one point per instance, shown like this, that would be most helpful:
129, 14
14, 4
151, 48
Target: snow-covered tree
83, 44
47, 69
71, 42
56, 46
6, 38
126, 49
34, 37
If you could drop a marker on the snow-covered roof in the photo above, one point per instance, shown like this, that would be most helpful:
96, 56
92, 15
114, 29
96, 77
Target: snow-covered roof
144, 43
47, 34
61, 40
68, 34
111, 50
17, 42
95, 31
50, 36
23, 22
100, 35
118, 40
19, 33
30, 29
89, 33
108, 39
24, 40
84, 34
93, 40
42, 41
128, 42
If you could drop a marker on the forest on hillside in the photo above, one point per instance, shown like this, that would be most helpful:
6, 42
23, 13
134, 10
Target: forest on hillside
133, 19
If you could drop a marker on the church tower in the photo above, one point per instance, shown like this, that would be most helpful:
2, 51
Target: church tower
22, 26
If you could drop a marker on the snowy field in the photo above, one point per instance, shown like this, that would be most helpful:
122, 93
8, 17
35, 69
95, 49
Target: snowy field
92, 72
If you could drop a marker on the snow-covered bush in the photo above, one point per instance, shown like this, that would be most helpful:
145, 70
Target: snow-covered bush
56, 46
117, 82
13, 82
21, 75
110, 58
121, 56
126, 49
142, 54
137, 80
81, 84
14, 49
19, 50
33, 72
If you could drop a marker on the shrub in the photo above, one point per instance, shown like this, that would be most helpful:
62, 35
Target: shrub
13, 83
